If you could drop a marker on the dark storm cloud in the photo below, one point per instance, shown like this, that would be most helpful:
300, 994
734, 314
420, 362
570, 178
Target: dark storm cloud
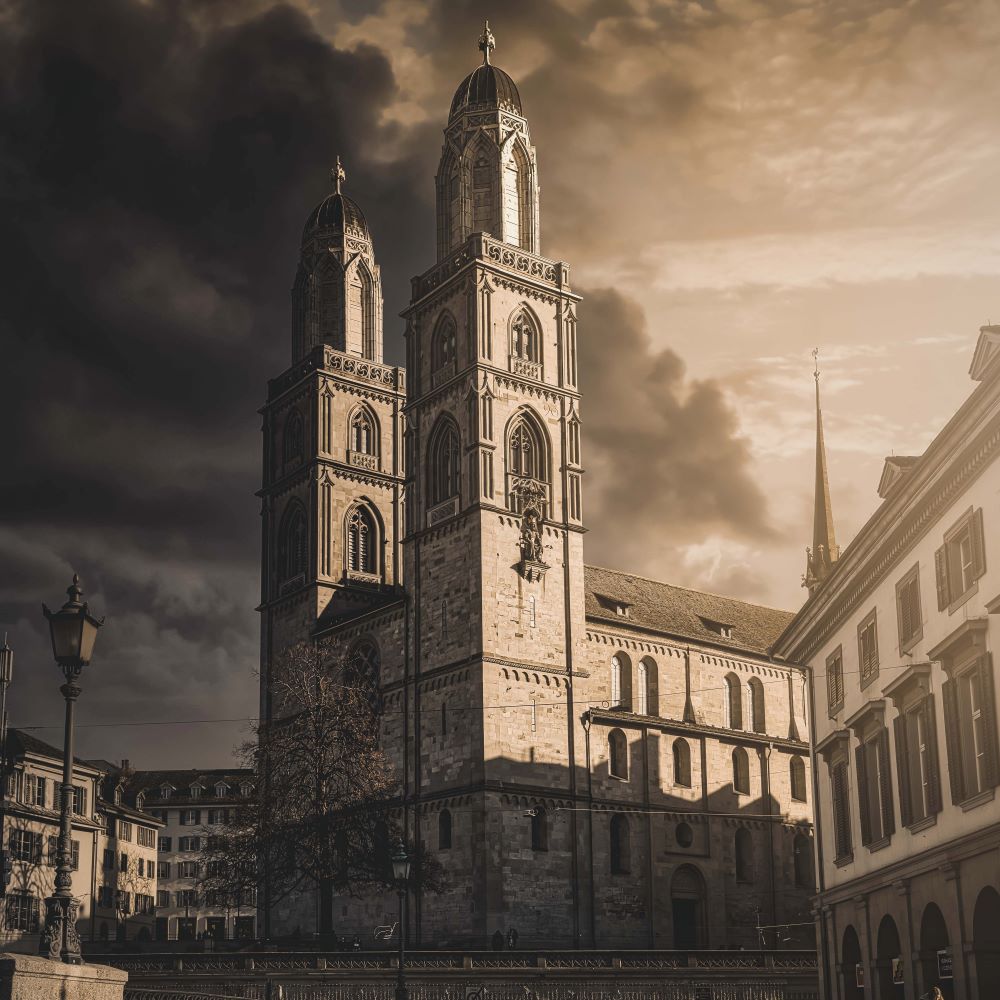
158, 161
666, 466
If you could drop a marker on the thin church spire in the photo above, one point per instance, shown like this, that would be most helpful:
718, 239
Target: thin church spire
824, 552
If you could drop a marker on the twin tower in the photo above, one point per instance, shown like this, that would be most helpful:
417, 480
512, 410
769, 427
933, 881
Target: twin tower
430, 517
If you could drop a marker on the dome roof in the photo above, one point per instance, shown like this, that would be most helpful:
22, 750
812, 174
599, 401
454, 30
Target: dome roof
487, 86
337, 212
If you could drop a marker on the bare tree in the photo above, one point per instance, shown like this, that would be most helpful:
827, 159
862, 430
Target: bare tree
326, 804
130, 884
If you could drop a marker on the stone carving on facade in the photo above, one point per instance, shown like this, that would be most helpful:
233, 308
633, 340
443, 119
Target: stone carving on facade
529, 498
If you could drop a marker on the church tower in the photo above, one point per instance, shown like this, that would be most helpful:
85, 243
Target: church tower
332, 477
493, 550
824, 552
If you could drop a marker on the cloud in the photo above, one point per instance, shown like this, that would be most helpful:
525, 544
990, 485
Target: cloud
665, 461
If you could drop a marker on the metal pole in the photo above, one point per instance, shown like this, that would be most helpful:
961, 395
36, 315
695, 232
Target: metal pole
401, 993
60, 940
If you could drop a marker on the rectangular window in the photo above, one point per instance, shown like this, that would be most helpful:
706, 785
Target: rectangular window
961, 561
908, 613
187, 897
109, 858
125, 831
875, 789
123, 863
916, 762
189, 844
26, 845
162, 897
971, 730
164, 844
835, 680
190, 817
22, 912
145, 837
34, 790
123, 901
868, 649
841, 810
163, 869
187, 869
54, 853
106, 896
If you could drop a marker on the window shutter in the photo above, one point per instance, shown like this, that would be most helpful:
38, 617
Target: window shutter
953, 739
840, 811
933, 768
885, 784
905, 618
902, 771
989, 721
866, 820
941, 577
978, 544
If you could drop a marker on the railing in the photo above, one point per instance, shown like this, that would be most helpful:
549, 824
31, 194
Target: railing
442, 511
526, 368
362, 460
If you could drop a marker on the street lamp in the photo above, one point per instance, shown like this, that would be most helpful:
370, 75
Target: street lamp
401, 873
73, 631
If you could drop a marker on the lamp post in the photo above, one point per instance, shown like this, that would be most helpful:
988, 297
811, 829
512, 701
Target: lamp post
74, 631
401, 873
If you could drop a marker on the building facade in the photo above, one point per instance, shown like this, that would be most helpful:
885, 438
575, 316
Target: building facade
898, 635
597, 759
190, 806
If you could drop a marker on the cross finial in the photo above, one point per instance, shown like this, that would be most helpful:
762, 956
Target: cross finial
815, 354
338, 175
487, 43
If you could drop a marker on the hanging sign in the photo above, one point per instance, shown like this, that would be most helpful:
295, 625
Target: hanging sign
944, 964
859, 976
897, 972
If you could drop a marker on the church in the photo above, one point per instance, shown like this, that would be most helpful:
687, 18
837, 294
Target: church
596, 759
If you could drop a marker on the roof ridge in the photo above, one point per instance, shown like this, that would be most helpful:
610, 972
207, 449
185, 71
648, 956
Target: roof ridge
689, 590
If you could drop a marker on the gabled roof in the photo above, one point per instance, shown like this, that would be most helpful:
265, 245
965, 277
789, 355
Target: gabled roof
21, 742
686, 614
895, 468
986, 352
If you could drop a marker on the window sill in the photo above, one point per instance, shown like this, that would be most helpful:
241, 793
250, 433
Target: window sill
834, 710
866, 682
961, 599
877, 845
618, 777
978, 800
922, 824
911, 643
844, 861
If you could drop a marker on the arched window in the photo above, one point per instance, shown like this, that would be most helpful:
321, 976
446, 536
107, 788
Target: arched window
444, 830
445, 467
641, 690
621, 682
744, 855
734, 717
526, 450
682, 763
524, 337
292, 543
293, 438
650, 684
484, 191
621, 847
362, 539
364, 664
443, 347
797, 773
618, 754
687, 903
802, 859
741, 771
539, 829
755, 689
364, 437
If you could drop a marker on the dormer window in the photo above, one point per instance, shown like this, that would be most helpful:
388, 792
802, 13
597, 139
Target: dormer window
118, 796
140, 800
623, 609
166, 791
221, 790
196, 791
246, 789
721, 629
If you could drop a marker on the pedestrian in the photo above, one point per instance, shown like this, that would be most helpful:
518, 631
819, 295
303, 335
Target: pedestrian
512, 939
498, 940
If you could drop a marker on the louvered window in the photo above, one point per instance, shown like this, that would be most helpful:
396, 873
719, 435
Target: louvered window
868, 649
918, 776
361, 541
971, 730
908, 610
841, 810
961, 561
835, 680
875, 789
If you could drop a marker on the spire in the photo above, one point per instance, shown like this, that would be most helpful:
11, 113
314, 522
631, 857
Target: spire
824, 552
338, 175
487, 43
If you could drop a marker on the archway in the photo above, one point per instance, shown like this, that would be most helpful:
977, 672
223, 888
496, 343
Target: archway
850, 962
687, 898
888, 956
986, 943
933, 938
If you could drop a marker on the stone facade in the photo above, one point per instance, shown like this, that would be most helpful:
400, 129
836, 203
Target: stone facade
497, 647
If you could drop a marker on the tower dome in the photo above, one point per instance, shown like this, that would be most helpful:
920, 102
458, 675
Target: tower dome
487, 86
337, 213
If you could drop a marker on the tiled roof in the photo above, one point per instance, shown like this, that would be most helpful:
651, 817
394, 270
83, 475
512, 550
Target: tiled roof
22, 742
687, 614
181, 780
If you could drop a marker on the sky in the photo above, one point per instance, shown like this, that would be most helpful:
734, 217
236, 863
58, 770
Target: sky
733, 183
